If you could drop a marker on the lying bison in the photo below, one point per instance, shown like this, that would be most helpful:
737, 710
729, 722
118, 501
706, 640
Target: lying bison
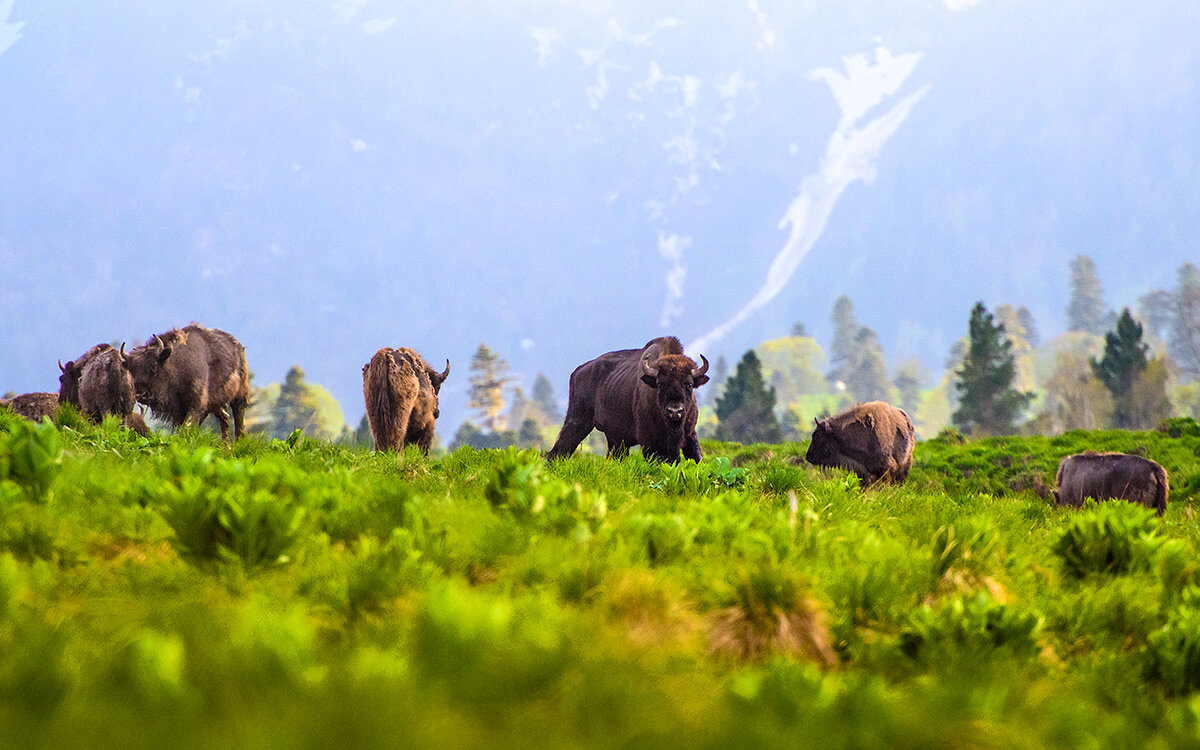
186, 374
636, 397
99, 383
32, 406
1108, 476
401, 393
874, 440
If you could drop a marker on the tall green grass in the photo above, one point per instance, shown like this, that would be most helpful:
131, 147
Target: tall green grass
173, 591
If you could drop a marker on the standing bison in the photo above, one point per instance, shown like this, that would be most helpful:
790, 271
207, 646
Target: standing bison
99, 383
874, 440
636, 397
1109, 476
401, 393
188, 373
32, 406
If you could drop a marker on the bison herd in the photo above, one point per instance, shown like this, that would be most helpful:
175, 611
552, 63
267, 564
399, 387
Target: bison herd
644, 397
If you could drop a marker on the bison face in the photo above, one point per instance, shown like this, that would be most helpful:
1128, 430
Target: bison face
145, 364
822, 451
68, 383
674, 377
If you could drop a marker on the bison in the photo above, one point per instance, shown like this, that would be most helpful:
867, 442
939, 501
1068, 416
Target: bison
636, 397
99, 383
874, 440
186, 374
1107, 476
401, 393
32, 406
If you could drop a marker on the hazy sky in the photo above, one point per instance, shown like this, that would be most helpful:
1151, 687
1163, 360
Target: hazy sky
559, 179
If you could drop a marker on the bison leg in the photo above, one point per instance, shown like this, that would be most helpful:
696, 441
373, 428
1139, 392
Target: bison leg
579, 422
691, 447
238, 407
617, 448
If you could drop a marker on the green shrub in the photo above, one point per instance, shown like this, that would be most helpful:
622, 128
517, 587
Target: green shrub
521, 488
31, 455
1172, 655
229, 509
1110, 538
698, 478
970, 626
967, 545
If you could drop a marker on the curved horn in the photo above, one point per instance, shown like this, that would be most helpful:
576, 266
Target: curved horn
159, 341
698, 371
646, 368
445, 373
122, 352
60, 366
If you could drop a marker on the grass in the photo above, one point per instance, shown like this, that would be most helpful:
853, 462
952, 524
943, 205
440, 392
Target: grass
175, 591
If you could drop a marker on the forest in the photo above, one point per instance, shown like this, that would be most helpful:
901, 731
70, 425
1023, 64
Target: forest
1125, 369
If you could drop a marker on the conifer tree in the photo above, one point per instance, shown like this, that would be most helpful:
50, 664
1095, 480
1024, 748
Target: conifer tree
842, 349
867, 377
1025, 318
1185, 330
988, 403
486, 392
1087, 309
1137, 399
746, 410
543, 397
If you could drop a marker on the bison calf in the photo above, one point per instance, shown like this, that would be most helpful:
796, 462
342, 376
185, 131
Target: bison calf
1111, 476
636, 397
99, 383
874, 440
401, 393
188, 373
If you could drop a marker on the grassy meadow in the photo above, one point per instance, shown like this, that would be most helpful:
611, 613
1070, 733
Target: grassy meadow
176, 592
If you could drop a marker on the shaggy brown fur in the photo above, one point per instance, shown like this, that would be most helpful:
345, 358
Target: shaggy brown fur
401, 393
32, 406
68, 381
187, 374
874, 440
636, 397
1111, 476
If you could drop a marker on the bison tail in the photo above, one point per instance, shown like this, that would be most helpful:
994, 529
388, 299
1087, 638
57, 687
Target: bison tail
1160, 494
384, 392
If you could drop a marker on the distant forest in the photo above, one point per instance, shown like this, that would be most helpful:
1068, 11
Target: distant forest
1128, 368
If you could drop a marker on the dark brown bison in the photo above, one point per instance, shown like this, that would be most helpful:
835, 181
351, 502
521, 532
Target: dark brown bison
401, 393
636, 397
874, 440
32, 406
186, 374
1108, 476
99, 383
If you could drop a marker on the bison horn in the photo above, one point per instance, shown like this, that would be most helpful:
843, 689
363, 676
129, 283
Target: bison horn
159, 342
445, 373
697, 372
60, 366
647, 369
122, 352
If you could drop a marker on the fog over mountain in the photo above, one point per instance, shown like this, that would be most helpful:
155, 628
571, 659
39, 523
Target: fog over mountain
560, 179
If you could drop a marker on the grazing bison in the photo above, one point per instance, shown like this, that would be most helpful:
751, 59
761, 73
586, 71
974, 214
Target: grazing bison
401, 393
874, 440
32, 406
188, 373
636, 397
99, 383
1107, 476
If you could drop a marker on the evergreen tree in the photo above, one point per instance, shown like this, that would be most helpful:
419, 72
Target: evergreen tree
485, 395
1157, 312
1124, 360
911, 376
867, 377
1025, 318
799, 330
543, 397
988, 403
746, 410
842, 349
1185, 330
295, 408
1087, 309
530, 435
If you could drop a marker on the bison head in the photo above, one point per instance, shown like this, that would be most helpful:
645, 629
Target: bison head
822, 450
673, 378
146, 364
72, 372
